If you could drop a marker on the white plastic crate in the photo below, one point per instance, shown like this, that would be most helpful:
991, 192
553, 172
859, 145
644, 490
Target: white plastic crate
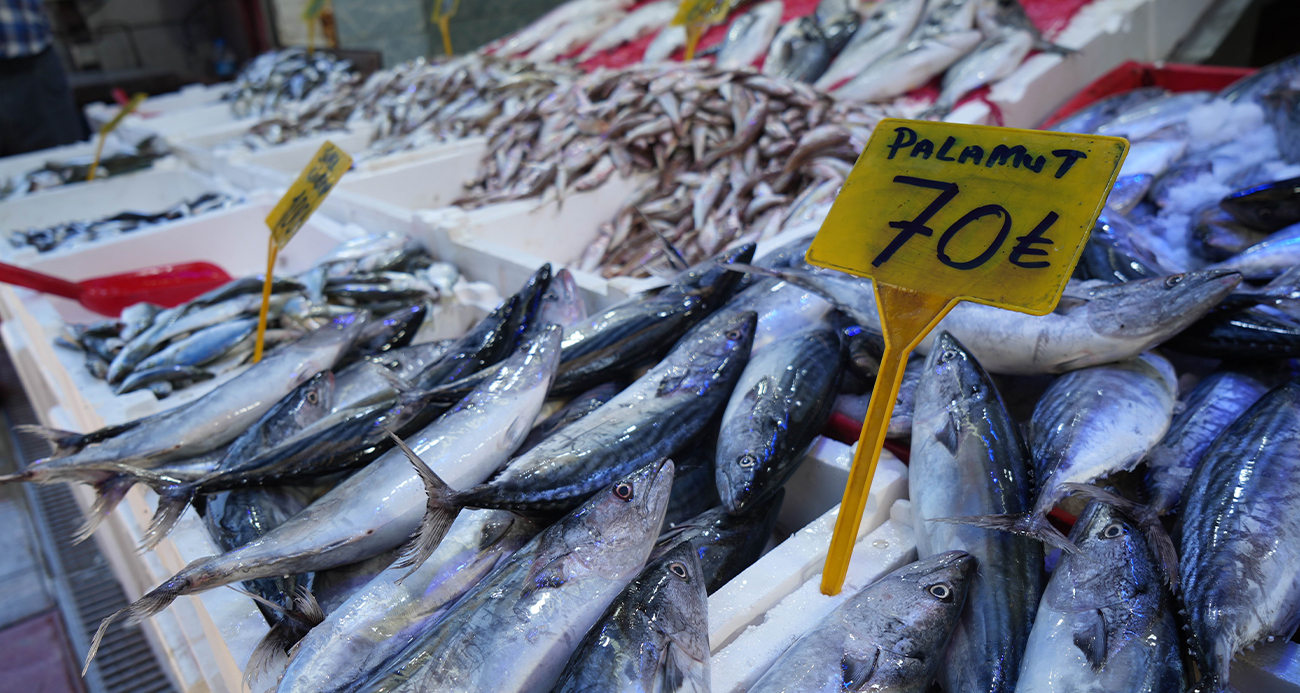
276, 167
187, 97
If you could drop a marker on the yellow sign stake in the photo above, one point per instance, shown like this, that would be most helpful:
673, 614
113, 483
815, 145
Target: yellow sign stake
310, 13
936, 213
443, 11
302, 198
127, 109
698, 15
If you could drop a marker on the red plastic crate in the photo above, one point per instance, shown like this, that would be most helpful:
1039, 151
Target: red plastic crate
1132, 74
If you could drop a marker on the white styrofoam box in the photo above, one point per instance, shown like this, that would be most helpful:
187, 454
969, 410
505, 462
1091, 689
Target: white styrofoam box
1106, 33
819, 486
187, 97
277, 166
738, 665
149, 191
420, 153
20, 164
389, 195
748, 596
180, 124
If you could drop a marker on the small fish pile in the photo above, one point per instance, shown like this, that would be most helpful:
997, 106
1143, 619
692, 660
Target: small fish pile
275, 79
74, 233
569, 27
166, 349
736, 156
118, 158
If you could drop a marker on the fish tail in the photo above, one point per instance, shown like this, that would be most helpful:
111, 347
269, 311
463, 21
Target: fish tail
108, 493
28, 474
305, 614
1148, 521
172, 501
439, 513
149, 605
1030, 525
65, 442
1049, 47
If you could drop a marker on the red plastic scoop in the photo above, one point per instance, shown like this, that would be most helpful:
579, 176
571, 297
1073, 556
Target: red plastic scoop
164, 285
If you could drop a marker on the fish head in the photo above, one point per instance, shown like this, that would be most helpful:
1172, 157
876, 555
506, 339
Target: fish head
712, 354
562, 302
1154, 309
327, 344
1113, 562
624, 520
951, 385
710, 280
674, 584
928, 596
311, 401
1267, 207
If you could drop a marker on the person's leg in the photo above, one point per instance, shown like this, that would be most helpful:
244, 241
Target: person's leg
38, 111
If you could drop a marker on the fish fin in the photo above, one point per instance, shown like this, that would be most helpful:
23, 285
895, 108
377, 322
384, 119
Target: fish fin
108, 493
305, 614
674, 256
949, 436
672, 676
439, 513
856, 671
1048, 47
172, 501
65, 442
548, 576
28, 474
1162, 547
396, 381
273, 646
1090, 638
1030, 525
147, 606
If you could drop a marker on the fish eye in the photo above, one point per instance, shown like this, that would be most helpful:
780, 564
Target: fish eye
733, 334
941, 592
551, 296
1173, 280
623, 491
747, 460
1113, 530
312, 397
678, 569
947, 355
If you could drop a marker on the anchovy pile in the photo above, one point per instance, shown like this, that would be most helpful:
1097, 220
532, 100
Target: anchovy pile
75, 233
276, 79
736, 156
163, 350
116, 160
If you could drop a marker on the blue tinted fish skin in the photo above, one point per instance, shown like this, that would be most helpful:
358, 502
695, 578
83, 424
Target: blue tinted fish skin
779, 406
575, 409
1242, 335
1209, 408
725, 544
968, 459
653, 637
168, 374
1240, 545
393, 331
1268, 207
1106, 621
1087, 119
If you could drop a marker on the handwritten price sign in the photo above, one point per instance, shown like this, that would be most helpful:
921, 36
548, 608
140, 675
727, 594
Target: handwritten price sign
937, 213
307, 193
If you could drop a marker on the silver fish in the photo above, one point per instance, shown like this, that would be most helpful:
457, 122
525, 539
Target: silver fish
204, 346
887, 26
886, 638
1267, 259
637, 23
962, 439
749, 36
995, 57
653, 637
398, 606
1146, 118
1240, 549
1087, 119
1106, 621
537, 606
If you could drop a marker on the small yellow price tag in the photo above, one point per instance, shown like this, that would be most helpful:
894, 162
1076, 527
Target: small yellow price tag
443, 11
936, 213
302, 198
698, 15
127, 109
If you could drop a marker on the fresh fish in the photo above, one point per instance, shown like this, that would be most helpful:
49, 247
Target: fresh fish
780, 404
800, 52
537, 605
392, 331
995, 57
136, 319
885, 638
653, 637
219, 313
377, 378
665, 44
1209, 408
1267, 207
1087, 119
839, 27
652, 418
1216, 236
1106, 621
398, 606
1090, 423
910, 65
1268, 258
1091, 325
998, 15
138, 348
726, 544
208, 422
1240, 547
1153, 156
749, 36
884, 28
575, 33
694, 489
378, 508
575, 409
1245, 335
205, 346
168, 374
524, 40
1128, 191
962, 439
1156, 114
900, 421
639, 22
1280, 107
1262, 81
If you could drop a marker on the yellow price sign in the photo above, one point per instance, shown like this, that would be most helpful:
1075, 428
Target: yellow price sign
326, 167
936, 213
443, 11
698, 15
127, 109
